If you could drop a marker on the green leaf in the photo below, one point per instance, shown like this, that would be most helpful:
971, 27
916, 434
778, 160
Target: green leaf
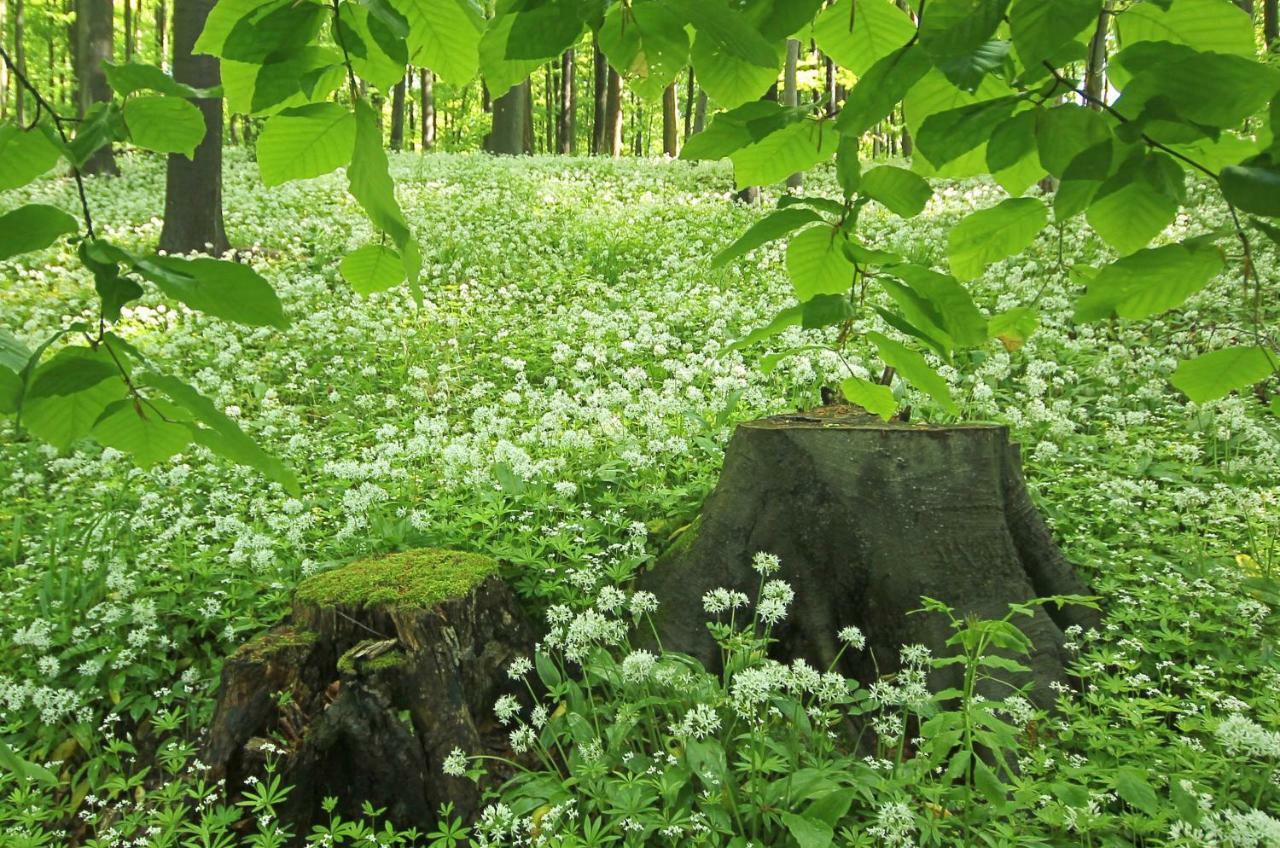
882, 88
936, 93
729, 80
132, 77
873, 397
771, 227
140, 430
848, 168
1138, 202
1217, 26
1131, 785
24, 155
100, 126
647, 44
1150, 281
1011, 153
1217, 374
223, 436
164, 124
945, 136
913, 368
992, 234
1064, 132
950, 302
726, 31
858, 36
1253, 187
737, 128
955, 28
987, 783
33, 227
306, 142
1211, 89
897, 189
1013, 326
218, 287
114, 289
1041, 28
14, 355
824, 310
817, 264
444, 35
372, 268
377, 54
808, 833
293, 79
67, 393
24, 769
790, 317
793, 149
369, 177
273, 28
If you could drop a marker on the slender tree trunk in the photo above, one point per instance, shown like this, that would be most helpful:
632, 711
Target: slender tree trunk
690, 95
700, 113
567, 129
1095, 73
19, 58
95, 30
193, 187
613, 115
4, 68
507, 134
1270, 21
128, 30
831, 86
551, 91
600, 96
907, 145
528, 115
671, 122
162, 33
397, 115
427, 82
791, 94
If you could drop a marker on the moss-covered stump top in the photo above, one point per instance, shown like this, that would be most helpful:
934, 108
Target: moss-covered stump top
410, 579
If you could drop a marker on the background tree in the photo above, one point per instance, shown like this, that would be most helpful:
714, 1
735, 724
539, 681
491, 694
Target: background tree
791, 94
509, 116
567, 126
613, 114
193, 187
95, 31
599, 97
426, 84
670, 121
397, 115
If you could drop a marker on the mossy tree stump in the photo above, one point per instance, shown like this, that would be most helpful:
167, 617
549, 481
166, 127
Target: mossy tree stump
868, 517
384, 667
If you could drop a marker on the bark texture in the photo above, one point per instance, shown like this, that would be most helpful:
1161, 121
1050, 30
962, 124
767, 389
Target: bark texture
507, 134
670, 121
427, 81
613, 115
867, 517
351, 669
397, 115
193, 187
95, 38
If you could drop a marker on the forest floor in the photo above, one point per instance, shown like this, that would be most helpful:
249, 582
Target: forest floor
561, 401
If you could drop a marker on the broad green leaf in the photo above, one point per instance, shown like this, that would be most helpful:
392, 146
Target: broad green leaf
873, 397
132, 77
100, 126
1217, 374
647, 44
1137, 203
114, 289
793, 149
1253, 186
728, 79
444, 35
848, 168
223, 436
377, 54
881, 88
956, 28
1042, 27
935, 93
1013, 326
24, 155
825, 310
897, 189
1131, 784
969, 71
1011, 154
67, 393
274, 28
1203, 88
142, 430
946, 136
1150, 281
14, 355
369, 177
912, 368
164, 124
218, 287
790, 317
857, 35
807, 832
372, 268
992, 234
916, 317
769, 228
33, 227
10, 391
730, 131
501, 72
26, 770
727, 31
1064, 132
222, 18
816, 263
1217, 26
949, 300
70, 370
306, 142
267, 89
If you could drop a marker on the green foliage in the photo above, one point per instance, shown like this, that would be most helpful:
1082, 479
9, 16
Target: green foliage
306, 142
33, 227
164, 124
412, 579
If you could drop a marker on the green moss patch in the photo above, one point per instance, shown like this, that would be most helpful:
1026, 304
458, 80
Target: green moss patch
418, 578
274, 641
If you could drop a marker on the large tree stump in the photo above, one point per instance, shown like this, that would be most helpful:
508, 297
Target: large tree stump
868, 517
424, 634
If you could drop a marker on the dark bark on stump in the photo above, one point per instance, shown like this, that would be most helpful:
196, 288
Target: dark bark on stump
867, 517
350, 672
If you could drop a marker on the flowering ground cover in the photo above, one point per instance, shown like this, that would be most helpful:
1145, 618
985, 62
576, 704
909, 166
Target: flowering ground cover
561, 401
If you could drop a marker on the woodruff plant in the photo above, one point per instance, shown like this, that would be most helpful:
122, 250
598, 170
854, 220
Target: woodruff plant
631, 746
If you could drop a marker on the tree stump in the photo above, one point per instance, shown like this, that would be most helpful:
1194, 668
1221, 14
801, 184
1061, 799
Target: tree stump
422, 635
868, 517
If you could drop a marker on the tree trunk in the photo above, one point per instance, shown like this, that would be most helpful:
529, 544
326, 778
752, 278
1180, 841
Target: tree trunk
567, 125
613, 115
550, 92
830, 86
193, 187
600, 96
908, 146
751, 194
690, 94
700, 112
1270, 21
4, 67
19, 59
427, 81
868, 517
353, 666
527, 88
1095, 72
128, 30
397, 115
507, 134
162, 33
670, 122
95, 29
791, 94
